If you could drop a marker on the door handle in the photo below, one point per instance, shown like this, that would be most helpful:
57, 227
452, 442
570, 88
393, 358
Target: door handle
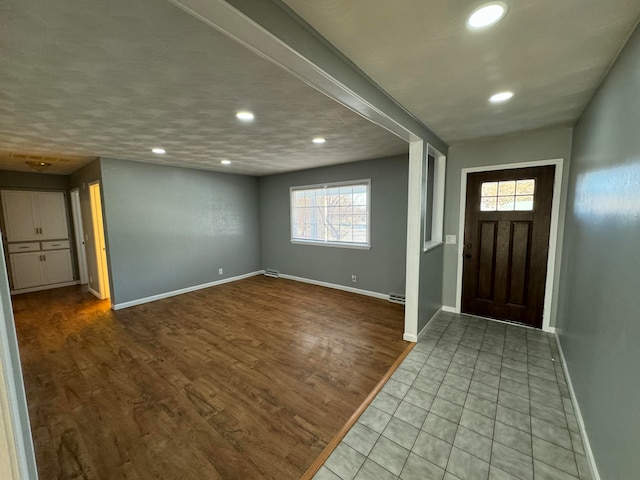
467, 255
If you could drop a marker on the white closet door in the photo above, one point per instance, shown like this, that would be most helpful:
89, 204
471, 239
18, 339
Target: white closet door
26, 270
19, 216
53, 215
57, 266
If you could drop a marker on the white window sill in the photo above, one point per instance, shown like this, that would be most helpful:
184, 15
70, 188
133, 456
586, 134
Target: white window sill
355, 246
432, 244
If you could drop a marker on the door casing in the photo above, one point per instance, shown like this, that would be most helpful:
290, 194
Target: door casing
553, 234
99, 243
78, 229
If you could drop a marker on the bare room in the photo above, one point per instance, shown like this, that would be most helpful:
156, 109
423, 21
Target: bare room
321, 240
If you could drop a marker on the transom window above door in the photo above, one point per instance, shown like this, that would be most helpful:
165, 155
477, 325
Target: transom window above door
508, 195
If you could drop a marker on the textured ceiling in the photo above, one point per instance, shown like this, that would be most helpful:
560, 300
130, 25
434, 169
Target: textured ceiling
552, 54
116, 78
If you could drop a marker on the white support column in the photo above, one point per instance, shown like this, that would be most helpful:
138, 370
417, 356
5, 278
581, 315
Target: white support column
414, 219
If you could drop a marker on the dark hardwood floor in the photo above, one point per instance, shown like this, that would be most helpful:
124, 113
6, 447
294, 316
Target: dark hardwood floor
245, 380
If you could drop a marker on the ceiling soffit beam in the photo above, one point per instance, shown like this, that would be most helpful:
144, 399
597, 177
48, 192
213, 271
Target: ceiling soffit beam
273, 31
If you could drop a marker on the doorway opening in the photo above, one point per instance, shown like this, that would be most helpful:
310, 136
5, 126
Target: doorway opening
99, 279
76, 215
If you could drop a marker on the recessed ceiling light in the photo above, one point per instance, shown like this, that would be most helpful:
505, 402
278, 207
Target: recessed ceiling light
319, 140
487, 15
225, 162
245, 116
501, 97
159, 151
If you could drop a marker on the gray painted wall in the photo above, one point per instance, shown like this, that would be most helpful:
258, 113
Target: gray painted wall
537, 145
598, 316
170, 228
81, 179
381, 269
430, 297
14, 384
28, 180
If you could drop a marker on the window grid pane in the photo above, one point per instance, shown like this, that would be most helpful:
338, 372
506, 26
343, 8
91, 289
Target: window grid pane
507, 195
336, 214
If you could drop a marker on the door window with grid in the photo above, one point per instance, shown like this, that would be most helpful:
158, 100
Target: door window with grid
334, 214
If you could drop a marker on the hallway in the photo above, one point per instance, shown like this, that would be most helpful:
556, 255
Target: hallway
474, 400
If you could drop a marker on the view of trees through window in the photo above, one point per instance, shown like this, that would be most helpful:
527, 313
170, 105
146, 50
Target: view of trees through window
331, 213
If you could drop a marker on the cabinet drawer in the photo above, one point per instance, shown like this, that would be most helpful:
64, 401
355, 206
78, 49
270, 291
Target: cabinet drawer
24, 247
56, 245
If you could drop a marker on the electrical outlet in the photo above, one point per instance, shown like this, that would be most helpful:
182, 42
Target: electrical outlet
354, 278
220, 271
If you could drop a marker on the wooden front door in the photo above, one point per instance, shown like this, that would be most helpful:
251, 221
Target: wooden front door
506, 243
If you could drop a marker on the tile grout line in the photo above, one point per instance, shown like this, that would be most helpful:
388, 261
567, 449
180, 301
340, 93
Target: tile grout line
505, 345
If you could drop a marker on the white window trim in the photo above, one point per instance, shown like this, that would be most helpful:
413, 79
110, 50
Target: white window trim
356, 246
437, 217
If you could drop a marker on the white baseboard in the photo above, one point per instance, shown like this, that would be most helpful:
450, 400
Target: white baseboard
359, 291
153, 298
550, 330
447, 308
409, 337
44, 287
576, 408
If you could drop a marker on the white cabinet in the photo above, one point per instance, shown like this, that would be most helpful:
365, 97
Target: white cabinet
52, 215
37, 234
33, 269
56, 266
19, 216
34, 215
26, 270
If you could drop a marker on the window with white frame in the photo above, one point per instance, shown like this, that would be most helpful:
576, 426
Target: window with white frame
433, 198
334, 214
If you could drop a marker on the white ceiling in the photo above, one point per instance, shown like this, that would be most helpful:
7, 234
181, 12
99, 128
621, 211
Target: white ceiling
552, 54
115, 78
88, 78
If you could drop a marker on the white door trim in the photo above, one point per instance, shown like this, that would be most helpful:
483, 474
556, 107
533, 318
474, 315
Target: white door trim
81, 253
553, 237
99, 241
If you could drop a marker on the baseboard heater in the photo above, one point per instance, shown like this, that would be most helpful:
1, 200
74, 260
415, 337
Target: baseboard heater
271, 273
395, 298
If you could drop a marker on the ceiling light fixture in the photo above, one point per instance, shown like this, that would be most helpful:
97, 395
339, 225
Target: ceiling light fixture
225, 162
38, 166
245, 116
319, 140
501, 97
159, 151
487, 15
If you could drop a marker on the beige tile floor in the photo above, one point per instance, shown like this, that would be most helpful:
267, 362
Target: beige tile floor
475, 399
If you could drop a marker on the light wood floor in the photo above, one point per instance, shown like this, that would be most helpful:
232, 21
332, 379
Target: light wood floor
245, 380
